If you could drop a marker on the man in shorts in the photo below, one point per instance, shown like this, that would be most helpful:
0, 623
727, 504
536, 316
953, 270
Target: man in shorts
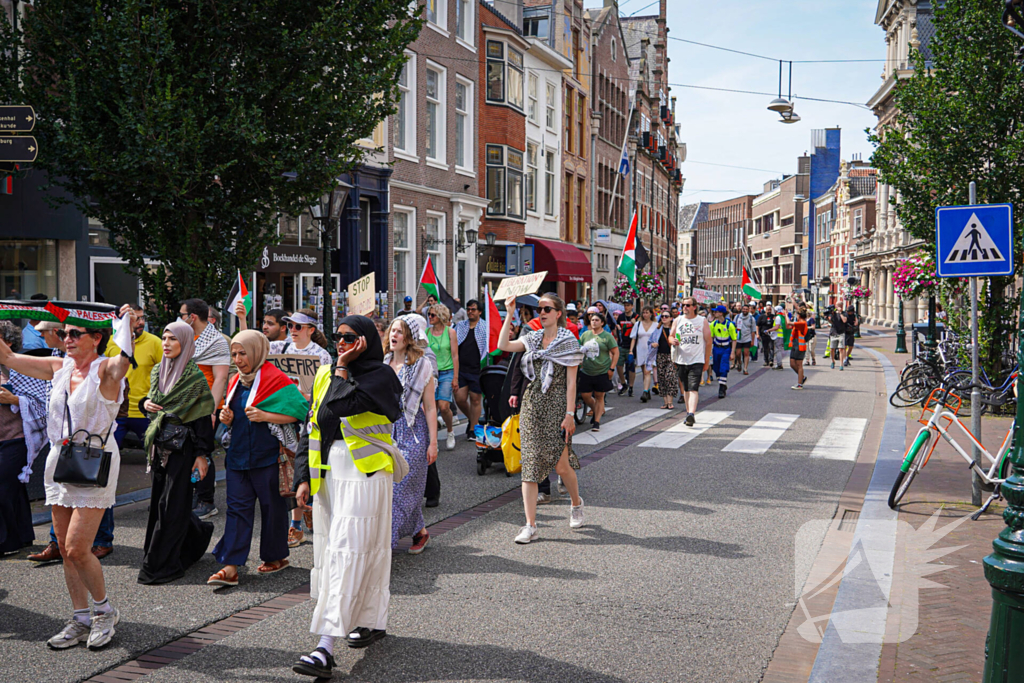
690, 339
798, 350
746, 328
626, 365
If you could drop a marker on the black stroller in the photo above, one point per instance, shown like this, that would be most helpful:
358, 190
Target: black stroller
495, 411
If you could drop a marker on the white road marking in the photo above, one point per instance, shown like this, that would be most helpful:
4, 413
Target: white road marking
841, 440
678, 435
760, 437
620, 425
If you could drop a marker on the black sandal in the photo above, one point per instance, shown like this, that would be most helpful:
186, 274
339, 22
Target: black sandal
364, 636
308, 665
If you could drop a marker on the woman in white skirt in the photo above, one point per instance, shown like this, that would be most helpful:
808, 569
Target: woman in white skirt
354, 404
89, 385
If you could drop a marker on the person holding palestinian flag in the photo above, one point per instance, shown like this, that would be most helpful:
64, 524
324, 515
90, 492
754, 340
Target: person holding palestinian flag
261, 409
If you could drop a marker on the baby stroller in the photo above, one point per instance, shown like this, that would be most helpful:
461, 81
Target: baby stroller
495, 410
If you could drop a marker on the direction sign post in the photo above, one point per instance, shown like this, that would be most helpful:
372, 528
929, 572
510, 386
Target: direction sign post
19, 149
17, 118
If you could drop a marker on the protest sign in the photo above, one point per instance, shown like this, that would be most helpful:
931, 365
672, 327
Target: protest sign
299, 368
361, 299
518, 286
706, 296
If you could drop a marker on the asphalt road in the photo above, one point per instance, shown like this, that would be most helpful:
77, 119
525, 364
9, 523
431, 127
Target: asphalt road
684, 572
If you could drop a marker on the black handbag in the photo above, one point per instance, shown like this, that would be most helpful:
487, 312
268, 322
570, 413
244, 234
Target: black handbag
172, 437
80, 464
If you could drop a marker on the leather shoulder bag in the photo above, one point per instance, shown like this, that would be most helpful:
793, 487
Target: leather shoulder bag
81, 464
173, 437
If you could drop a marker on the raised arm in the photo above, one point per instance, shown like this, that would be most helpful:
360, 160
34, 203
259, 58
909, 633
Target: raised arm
504, 343
31, 366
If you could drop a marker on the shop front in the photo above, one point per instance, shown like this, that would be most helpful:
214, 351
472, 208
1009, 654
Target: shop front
568, 268
290, 277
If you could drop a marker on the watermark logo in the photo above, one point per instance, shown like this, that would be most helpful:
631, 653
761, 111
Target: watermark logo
265, 259
859, 613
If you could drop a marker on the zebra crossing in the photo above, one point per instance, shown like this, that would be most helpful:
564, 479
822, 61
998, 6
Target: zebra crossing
840, 440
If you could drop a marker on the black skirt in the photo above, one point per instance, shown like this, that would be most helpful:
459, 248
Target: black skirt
15, 513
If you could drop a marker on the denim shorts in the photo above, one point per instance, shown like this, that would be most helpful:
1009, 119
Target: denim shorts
444, 385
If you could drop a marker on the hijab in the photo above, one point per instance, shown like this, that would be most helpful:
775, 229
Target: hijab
256, 349
376, 383
172, 368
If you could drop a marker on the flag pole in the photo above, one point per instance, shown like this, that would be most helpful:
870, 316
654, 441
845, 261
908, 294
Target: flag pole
622, 151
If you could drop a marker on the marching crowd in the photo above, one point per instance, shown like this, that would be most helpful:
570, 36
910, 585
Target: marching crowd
354, 459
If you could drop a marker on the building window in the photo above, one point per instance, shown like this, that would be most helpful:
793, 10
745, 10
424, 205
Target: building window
532, 97
531, 177
515, 183
502, 71
549, 118
405, 116
581, 107
435, 115
29, 267
567, 102
464, 20
437, 12
463, 125
580, 192
433, 242
576, 56
505, 182
536, 27
495, 180
858, 222
549, 183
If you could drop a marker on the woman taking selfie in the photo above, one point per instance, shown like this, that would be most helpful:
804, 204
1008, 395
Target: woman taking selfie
415, 433
178, 442
347, 463
86, 395
551, 357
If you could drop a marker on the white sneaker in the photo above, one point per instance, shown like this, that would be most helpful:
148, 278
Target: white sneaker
561, 487
576, 515
73, 633
102, 630
449, 443
543, 498
526, 534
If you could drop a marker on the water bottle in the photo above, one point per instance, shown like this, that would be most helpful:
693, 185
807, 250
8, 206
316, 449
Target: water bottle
195, 475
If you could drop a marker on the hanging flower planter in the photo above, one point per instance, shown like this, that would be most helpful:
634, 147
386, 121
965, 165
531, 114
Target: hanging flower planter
858, 292
650, 286
915, 277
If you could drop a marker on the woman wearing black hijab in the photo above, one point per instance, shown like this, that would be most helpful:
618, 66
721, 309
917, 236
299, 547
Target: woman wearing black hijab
352, 414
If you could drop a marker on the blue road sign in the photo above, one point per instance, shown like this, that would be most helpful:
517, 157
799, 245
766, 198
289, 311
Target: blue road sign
974, 241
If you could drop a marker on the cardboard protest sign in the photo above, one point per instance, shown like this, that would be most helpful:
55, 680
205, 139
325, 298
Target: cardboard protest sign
518, 286
706, 296
299, 368
361, 300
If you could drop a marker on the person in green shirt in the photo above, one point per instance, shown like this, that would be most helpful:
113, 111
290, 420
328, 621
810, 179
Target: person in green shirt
595, 376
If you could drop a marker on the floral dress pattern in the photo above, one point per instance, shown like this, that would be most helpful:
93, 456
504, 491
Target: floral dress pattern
540, 427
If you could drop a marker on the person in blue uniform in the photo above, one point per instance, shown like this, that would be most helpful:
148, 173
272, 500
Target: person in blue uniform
723, 350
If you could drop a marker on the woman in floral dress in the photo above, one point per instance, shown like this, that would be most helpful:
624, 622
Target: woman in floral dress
551, 358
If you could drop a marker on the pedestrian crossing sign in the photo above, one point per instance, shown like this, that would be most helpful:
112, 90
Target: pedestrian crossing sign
974, 241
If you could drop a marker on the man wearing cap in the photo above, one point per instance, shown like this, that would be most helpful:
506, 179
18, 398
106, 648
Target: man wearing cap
572, 316
723, 339
408, 307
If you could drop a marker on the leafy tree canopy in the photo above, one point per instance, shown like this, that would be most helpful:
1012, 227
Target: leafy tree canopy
173, 122
960, 118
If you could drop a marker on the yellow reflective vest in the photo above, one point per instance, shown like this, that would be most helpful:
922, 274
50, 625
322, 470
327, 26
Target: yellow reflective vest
368, 457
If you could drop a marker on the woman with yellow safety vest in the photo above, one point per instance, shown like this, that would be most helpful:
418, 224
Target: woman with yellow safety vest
348, 463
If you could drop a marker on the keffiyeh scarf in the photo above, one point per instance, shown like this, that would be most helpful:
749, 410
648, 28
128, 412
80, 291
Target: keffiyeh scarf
34, 394
414, 379
564, 350
212, 348
462, 330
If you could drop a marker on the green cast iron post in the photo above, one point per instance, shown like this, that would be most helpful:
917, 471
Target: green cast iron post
1004, 568
901, 332
931, 342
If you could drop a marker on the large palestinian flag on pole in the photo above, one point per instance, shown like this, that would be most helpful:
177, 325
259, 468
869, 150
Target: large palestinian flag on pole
748, 286
634, 257
79, 313
433, 287
492, 321
274, 392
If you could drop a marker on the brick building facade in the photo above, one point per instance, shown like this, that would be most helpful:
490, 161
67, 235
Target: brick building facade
775, 234
720, 245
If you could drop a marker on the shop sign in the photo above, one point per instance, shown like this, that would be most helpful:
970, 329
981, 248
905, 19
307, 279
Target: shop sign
526, 259
494, 261
289, 259
603, 235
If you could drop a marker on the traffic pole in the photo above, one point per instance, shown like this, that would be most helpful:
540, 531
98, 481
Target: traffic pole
1004, 568
975, 391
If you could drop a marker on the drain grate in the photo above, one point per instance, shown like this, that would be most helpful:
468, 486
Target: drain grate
849, 521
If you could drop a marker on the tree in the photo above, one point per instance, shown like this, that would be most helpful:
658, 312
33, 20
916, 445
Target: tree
960, 120
173, 122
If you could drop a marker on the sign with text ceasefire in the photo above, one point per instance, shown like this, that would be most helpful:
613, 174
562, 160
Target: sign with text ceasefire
974, 241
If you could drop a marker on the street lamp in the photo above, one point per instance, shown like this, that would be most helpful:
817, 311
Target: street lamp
691, 270
326, 212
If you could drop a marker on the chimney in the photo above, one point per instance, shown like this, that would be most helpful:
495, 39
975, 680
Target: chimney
511, 10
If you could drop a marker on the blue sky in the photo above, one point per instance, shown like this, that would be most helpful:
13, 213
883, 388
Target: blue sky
737, 129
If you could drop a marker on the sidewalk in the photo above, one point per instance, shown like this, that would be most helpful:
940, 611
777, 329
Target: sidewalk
943, 627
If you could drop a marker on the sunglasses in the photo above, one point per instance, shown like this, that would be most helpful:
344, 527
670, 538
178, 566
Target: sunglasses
348, 338
70, 334
432, 315
295, 326
546, 309
688, 305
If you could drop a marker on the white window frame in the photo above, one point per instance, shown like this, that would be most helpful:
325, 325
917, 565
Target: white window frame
531, 177
858, 222
409, 95
469, 40
532, 104
550, 182
469, 129
441, 23
439, 160
551, 117
439, 253
410, 251
506, 67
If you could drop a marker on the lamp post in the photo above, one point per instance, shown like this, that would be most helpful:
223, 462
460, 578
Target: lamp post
901, 331
327, 212
691, 270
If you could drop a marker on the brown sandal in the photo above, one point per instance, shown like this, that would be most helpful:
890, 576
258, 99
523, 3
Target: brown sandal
272, 567
221, 578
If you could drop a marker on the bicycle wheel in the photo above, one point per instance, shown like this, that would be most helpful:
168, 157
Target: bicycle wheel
911, 466
581, 410
912, 391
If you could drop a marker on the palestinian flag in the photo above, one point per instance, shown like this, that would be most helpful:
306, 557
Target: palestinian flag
748, 286
634, 257
433, 286
239, 292
492, 321
78, 313
273, 392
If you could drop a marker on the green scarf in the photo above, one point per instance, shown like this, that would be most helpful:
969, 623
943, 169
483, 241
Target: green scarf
189, 399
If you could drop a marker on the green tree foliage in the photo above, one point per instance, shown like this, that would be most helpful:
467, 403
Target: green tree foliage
173, 122
961, 118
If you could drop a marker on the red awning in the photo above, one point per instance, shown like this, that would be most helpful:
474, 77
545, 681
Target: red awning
564, 262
